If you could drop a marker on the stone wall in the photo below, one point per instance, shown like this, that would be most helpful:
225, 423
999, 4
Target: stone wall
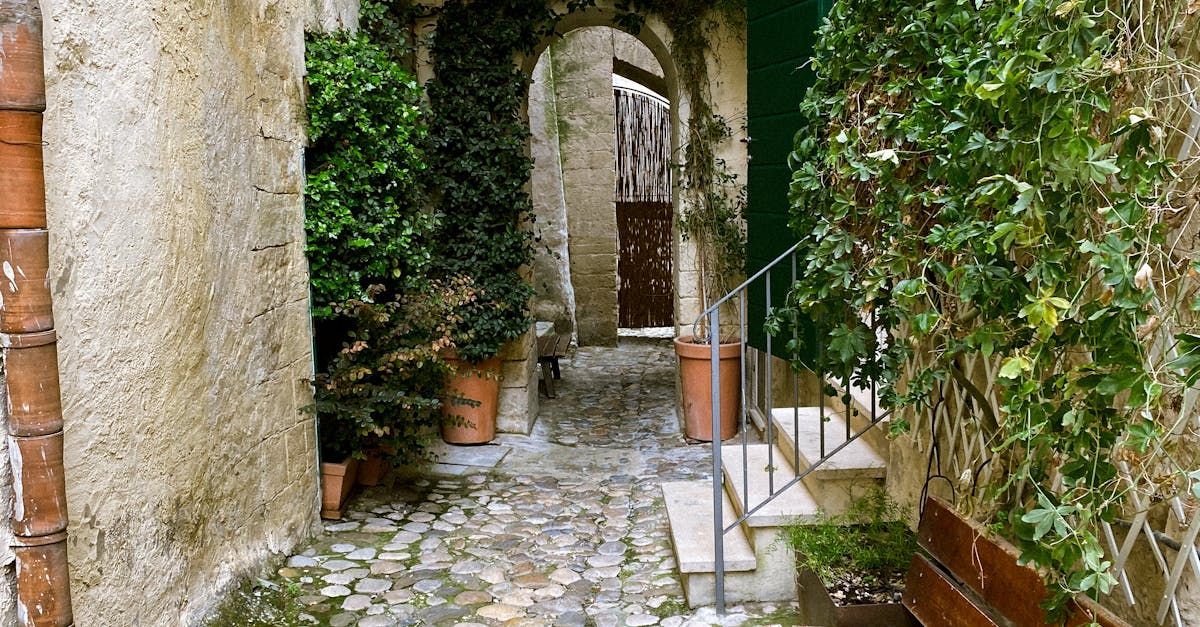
554, 296
175, 136
582, 64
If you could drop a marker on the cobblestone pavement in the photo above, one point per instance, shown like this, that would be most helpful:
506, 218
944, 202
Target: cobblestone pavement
569, 529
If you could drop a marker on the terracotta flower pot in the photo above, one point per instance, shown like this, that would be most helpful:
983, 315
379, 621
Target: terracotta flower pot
336, 482
372, 470
471, 423
695, 375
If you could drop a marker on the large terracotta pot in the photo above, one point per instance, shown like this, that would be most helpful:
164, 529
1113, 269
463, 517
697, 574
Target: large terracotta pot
479, 383
695, 375
336, 482
372, 470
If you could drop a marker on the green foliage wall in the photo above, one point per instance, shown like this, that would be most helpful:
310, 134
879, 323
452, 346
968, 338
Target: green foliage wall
480, 164
364, 197
380, 320
983, 178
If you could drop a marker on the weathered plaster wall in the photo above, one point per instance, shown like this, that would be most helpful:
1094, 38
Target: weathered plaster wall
175, 136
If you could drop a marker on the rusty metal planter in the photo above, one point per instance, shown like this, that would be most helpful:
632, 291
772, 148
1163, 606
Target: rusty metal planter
817, 607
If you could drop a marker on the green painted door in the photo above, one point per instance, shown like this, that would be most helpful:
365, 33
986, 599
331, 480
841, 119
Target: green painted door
780, 43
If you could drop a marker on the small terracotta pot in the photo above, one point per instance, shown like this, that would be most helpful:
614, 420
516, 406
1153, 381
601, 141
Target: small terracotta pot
372, 470
695, 375
479, 383
336, 482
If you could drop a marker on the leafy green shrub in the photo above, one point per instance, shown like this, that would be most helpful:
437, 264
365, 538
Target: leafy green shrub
990, 178
380, 322
364, 216
383, 387
869, 540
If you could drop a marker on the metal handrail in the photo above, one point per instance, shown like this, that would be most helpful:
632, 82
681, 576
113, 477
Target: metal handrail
712, 316
740, 289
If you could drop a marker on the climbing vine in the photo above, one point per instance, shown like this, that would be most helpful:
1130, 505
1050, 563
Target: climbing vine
480, 163
992, 178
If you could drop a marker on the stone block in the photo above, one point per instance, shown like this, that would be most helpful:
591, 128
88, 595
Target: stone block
519, 348
516, 413
516, 373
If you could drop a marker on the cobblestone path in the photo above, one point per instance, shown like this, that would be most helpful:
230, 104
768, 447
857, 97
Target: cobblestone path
569, 529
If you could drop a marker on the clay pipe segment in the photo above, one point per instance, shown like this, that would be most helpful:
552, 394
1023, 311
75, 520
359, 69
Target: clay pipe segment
22, 75
39, 517
23, 203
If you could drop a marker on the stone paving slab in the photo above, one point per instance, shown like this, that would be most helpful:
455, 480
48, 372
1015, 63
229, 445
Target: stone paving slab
486, 456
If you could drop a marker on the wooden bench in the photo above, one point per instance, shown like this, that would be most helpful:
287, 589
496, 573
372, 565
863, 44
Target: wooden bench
551, 347
970, 578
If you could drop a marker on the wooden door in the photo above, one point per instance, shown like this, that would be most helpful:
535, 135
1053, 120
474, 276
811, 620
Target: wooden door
645, 214
646, 268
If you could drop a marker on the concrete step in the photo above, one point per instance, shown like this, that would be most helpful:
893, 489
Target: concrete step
773, 581
756, 569
850, 473
689, 513
749, 487
800, 431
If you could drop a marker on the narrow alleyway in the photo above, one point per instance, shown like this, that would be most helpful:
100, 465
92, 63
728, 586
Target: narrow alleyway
568, 529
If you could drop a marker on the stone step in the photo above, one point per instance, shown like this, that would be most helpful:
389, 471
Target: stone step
689, 513
802, 426
774, 579
751, 487
861, 411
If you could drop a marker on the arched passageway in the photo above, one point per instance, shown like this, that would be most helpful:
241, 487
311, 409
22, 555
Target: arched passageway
607, 247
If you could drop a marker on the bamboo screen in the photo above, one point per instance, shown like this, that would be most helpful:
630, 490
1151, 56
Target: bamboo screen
643, 148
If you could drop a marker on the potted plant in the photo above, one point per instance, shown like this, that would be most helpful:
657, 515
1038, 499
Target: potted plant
380, 394
695, 380
337, 480
471, 398
471, 401
851, 567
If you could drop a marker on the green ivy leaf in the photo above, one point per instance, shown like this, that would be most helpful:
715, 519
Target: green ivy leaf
1014, 367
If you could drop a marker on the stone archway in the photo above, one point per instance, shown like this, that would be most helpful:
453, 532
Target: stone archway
727, 73
581, 231
592, 250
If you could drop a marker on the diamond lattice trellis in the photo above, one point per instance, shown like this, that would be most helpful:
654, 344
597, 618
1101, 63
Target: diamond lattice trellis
953, 424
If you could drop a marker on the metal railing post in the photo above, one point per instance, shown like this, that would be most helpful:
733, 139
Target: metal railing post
714, 338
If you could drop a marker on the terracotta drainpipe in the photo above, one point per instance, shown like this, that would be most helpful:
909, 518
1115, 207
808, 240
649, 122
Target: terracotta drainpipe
35, 420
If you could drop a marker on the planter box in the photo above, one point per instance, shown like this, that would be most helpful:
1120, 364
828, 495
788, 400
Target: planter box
817, 608
336, 482
988, 587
